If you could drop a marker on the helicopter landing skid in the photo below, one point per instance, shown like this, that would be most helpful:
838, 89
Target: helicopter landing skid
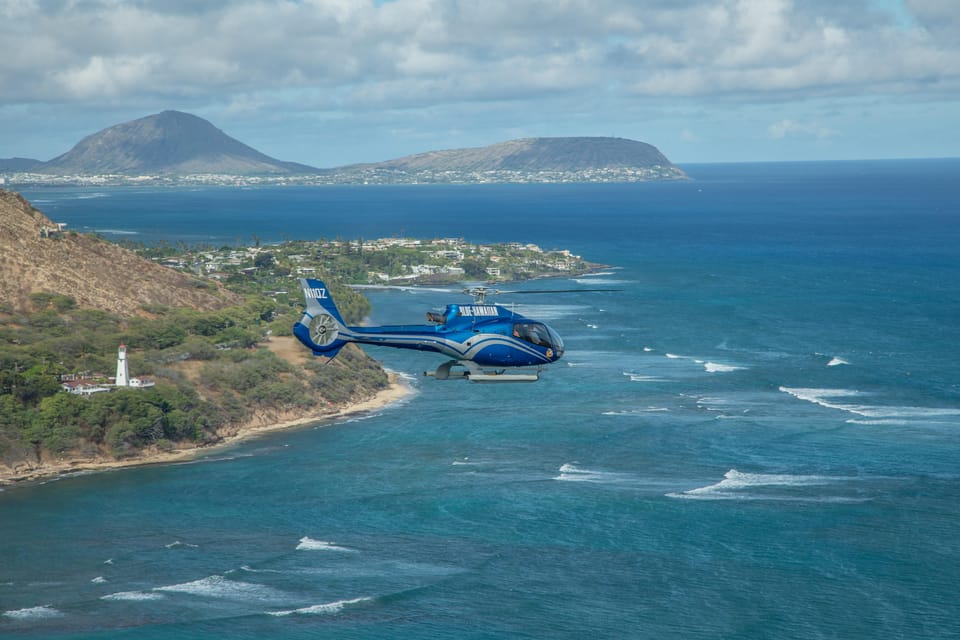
474, 373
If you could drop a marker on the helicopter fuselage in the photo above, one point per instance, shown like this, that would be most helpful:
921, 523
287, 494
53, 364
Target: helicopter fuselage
473, 335
489, 335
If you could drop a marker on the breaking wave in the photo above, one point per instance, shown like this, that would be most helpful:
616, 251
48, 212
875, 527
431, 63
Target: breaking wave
571, 473
637, 377
34, 613
828, 398
714, 367
133, 596
309, 544
737, 485
176, 544
320, 609
218, 586
634, 412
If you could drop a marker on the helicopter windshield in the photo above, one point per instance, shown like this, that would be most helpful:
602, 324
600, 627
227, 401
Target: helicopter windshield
539, 334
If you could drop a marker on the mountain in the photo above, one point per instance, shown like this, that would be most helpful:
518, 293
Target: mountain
173, 144
537, 154
170, 142
95, 273
19, 164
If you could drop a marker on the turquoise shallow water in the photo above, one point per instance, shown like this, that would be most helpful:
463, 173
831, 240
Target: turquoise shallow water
757, 438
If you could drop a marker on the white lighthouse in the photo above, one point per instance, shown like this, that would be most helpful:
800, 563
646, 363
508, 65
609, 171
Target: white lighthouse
123, 374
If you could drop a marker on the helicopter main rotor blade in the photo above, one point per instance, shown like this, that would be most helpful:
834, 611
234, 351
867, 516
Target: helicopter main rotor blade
395, 287
554, 291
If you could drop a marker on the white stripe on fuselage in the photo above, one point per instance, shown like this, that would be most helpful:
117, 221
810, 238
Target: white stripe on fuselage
452, 348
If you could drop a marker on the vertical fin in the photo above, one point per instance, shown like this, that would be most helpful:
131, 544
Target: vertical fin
319, 327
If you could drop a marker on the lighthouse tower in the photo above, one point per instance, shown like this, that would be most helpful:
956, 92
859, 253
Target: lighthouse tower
123, 374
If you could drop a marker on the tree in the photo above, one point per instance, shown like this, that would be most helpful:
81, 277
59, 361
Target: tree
263, 260
55, 424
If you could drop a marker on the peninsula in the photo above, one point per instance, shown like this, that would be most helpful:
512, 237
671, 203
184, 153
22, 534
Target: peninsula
212, 363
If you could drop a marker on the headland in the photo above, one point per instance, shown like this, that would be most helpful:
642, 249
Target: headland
257, 426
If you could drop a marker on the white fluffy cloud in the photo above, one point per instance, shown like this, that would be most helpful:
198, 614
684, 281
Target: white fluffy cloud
570, 60
422, 51
787, 128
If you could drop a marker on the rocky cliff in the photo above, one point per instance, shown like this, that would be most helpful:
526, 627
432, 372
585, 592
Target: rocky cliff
36, 257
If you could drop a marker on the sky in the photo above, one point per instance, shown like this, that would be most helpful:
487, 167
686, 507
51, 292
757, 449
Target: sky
335, 82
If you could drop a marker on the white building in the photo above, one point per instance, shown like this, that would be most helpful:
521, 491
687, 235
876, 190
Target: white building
123, 378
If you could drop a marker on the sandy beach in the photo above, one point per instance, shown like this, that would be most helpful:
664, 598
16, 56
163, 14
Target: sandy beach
397, 390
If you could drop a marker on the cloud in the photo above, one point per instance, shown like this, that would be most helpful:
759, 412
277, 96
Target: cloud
791, 128
411, 52
535, 67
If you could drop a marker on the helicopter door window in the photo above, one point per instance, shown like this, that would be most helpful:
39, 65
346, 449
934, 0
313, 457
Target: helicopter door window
534, 333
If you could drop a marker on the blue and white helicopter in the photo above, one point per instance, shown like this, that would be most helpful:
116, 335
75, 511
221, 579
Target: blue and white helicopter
486, 342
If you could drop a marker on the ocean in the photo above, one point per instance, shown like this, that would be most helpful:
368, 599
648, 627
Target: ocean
756, 438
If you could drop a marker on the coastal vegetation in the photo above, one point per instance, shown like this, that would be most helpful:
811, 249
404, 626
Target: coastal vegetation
212, 370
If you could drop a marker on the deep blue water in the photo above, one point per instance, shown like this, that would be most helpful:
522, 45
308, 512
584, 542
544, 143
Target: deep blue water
757, 438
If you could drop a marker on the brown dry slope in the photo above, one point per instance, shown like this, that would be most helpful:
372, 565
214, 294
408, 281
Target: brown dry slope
93, 272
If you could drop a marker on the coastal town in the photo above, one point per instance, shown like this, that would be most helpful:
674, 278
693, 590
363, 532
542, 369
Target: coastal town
397, 260
361, 175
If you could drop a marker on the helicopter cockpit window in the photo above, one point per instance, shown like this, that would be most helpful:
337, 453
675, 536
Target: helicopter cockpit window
533, 332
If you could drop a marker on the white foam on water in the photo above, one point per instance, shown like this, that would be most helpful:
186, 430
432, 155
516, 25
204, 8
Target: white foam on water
133, 596
715, 367
737, 485
817, 396
250, 569
636, 377
634, 412
674, 356
922, 413
647, 349
835, 362
827, 398
176, 544
734, 480
309, 544
34, 613
711, 402
321, 609
597, 274
218, 586
569, 472
99, 580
